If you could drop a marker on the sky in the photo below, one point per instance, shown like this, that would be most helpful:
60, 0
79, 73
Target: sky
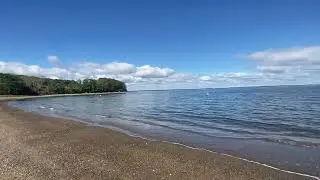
164, 44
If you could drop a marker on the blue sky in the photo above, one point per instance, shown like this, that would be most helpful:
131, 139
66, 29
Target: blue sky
192, 38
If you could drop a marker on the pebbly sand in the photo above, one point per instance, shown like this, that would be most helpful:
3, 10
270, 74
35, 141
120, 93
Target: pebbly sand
38, 147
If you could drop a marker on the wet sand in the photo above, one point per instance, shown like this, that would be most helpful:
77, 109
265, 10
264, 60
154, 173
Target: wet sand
33, 146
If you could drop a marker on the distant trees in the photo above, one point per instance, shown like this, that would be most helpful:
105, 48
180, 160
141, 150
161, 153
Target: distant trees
13, 85
29, 85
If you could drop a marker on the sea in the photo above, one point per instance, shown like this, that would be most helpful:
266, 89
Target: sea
278, 126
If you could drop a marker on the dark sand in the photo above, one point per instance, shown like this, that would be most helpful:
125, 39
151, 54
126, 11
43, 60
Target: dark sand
38, 147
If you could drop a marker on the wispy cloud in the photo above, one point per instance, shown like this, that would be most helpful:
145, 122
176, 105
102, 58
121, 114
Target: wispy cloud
311, 54
54, 60
148, 71
290, 60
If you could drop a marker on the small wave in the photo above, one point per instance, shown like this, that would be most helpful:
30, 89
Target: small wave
293, 142
42, 107
101, 116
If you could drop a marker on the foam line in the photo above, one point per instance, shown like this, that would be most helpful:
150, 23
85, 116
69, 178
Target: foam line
228, 155
255, 162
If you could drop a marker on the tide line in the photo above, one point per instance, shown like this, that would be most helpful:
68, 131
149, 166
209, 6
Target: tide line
228, 155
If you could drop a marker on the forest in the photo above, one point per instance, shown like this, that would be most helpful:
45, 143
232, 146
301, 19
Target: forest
29, 85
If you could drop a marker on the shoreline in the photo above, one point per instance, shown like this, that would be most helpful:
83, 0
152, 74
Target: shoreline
245, 169
5, 98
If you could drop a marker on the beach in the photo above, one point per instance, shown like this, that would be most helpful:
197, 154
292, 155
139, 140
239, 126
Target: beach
33, 146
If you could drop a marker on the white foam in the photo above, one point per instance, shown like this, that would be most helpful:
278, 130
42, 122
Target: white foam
255, 162
228, 155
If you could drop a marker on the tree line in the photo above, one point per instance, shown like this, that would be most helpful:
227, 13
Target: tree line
28, 85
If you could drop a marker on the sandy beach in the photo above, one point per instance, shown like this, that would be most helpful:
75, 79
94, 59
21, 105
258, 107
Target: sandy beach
38, 147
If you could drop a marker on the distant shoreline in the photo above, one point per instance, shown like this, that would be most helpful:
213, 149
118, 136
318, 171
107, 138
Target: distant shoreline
18, 97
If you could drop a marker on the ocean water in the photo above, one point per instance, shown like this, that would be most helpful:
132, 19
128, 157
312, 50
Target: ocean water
279, 126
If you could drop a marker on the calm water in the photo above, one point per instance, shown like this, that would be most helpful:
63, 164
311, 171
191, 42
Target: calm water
274, 125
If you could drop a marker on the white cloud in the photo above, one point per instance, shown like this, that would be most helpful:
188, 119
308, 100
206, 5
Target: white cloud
119, 68
288, 60
111, 68
273, 67
205, 78
231, 77
54, 60
311, 54
129, 79
182, 77
148, 71
19, 68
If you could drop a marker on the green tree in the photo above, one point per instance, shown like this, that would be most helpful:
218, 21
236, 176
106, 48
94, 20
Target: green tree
29, 85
